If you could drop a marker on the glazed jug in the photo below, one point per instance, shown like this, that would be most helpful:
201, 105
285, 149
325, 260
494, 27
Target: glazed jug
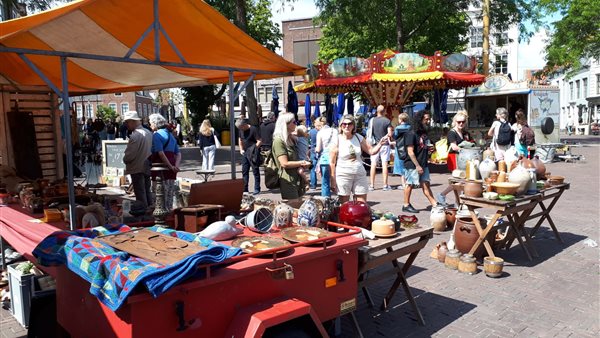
438, 218
308, 214
441, 256
486, 167
532, 186
540, 167
520, 176
282, 216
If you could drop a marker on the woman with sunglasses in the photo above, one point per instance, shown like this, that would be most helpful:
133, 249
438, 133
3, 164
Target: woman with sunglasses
458, 137
348, 174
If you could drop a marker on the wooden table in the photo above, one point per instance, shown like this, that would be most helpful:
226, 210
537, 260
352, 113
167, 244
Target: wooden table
516, 211
387, 251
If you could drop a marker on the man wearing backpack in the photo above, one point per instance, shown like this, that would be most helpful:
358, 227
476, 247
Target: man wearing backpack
501, 133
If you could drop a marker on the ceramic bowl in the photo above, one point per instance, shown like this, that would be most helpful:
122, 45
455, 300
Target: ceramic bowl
490, 195
505, 188
555, 179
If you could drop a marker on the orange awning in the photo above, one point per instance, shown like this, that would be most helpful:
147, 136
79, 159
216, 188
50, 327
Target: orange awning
96, 35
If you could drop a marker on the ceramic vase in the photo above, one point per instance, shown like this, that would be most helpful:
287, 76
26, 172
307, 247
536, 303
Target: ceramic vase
520, 176
486, 167
438, 219
282, 216
308, 214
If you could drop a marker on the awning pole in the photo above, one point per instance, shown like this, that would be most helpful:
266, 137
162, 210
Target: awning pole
156, 24
232, 124
69, 145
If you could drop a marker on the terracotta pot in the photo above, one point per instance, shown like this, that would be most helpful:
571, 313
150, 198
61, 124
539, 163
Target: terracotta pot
383, 227
465, 235
540, 167
473, 188
450, 216
488, 153
442, 251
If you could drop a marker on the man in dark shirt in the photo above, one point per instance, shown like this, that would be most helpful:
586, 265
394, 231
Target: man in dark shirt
267, 127
382, 127
249, 143
416, 171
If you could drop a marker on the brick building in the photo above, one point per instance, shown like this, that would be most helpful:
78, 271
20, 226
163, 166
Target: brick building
141, 101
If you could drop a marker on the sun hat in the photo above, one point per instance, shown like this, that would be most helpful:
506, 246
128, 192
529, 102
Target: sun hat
131, 115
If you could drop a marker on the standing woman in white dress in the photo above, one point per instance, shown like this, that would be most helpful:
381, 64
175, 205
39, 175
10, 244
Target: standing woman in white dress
207, 145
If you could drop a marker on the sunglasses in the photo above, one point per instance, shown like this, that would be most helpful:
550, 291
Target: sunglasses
460, 122
346, 124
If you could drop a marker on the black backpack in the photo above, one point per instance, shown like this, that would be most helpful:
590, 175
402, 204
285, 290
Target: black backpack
400, 147
504, 134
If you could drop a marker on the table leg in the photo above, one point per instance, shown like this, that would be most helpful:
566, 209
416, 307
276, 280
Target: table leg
355, 324
546, 216
368, 297
518, 235
483, 232
401, 280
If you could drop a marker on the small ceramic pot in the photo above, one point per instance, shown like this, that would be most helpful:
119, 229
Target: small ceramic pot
442, 251
467, 264
308, 214
452, 259
473, 188
493, 266
450, 216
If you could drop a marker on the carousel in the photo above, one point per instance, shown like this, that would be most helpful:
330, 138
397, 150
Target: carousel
389, 78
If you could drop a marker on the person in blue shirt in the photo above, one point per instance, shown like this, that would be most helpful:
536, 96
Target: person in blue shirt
402, 127
165, 150
312, 136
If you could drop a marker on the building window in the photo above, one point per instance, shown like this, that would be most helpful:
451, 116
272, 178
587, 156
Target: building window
501, 39
113, 106
139, 108
118, 94
578, 88
501, 64
89, 110
571, 90
585, 88
124, 107
476, 37
260, 97
145, 110
79, 109
597, 83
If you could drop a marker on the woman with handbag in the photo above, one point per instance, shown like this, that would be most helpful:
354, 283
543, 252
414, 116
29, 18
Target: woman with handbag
166, 151
208, 145
285, 154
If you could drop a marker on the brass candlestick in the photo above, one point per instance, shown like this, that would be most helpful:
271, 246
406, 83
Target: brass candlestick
160, 213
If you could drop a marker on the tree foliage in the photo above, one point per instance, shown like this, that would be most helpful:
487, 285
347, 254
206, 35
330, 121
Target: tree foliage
576, 35
106, 113
360, 28
200, 99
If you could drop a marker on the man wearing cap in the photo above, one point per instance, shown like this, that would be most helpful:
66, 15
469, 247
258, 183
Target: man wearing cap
136, 157
249, 143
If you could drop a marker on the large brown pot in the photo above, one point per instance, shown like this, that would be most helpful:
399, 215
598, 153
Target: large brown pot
465, 235
540, 168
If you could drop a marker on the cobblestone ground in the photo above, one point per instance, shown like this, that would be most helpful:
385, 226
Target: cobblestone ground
556, 294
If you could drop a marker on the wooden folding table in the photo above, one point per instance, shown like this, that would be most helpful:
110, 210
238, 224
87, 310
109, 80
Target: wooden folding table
387, 251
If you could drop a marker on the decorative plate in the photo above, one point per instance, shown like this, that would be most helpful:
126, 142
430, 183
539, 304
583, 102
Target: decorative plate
253, 244
304, 234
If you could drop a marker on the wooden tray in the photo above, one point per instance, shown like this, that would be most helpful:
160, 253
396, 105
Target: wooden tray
152, 246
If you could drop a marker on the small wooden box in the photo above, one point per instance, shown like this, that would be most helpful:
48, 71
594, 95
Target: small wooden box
194, 218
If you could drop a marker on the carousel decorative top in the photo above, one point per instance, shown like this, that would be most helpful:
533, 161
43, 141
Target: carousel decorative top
389, 77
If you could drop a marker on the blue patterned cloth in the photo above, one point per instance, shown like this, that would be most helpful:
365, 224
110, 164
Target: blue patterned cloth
114, 274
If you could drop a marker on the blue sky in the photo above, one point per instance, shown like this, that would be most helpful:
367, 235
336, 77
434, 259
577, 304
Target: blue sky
531, 53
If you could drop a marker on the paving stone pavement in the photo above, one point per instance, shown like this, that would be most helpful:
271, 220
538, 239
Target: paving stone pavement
555, 295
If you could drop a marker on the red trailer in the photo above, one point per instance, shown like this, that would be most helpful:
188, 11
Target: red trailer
253, 296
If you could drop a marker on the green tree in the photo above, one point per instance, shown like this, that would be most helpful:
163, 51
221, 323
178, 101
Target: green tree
360, 28
576, 35
106, 113
200, 99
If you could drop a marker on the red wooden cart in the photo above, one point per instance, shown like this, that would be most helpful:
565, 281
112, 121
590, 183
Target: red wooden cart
253, 296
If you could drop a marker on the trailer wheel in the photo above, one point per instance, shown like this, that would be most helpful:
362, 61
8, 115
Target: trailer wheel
288, 333
302, 327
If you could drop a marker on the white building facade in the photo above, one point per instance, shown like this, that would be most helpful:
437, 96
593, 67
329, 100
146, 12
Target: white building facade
580, 96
